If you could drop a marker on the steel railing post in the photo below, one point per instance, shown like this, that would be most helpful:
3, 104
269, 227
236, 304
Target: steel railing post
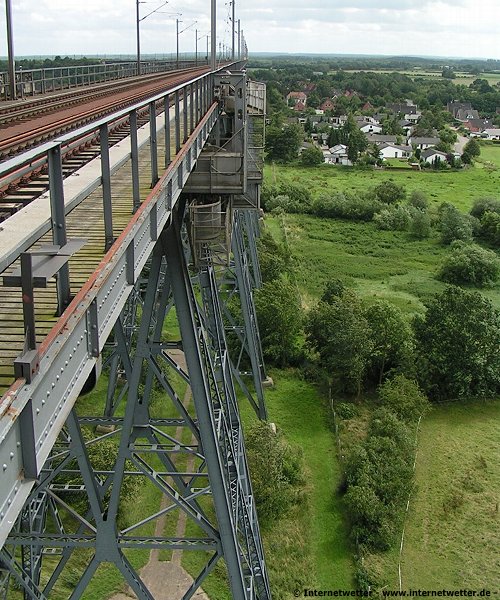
134, 155
167, 130
177, 123
106, 188
58, 216
153, 144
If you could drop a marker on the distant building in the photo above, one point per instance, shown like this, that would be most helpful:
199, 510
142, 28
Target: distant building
337, 155
454, 107
327, 105
491, 134
431, 155
395, 151
423, 142
298, 100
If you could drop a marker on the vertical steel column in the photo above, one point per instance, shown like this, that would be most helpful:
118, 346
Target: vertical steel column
106, 187
58, 215
10, 52
185, 113
134, 155
177, 123
232, 30
153, 145
213, 34
28, 301
197, 102
191, 109
185, 307
167, 131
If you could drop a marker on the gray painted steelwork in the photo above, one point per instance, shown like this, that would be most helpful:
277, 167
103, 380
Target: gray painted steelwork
44, 445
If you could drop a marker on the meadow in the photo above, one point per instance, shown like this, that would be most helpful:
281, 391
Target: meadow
451, 529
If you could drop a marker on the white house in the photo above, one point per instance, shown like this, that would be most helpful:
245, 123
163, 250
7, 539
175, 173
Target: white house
394, 151
337, 155
423, 142
491, 134
430, 155
368, 127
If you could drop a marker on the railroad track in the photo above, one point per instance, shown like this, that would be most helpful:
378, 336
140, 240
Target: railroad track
28, 186
32, 130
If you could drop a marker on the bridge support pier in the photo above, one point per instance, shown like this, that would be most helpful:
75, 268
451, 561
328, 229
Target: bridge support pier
82, 512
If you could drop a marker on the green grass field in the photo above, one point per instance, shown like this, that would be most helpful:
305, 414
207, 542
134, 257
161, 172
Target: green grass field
452, 529
462, 77
459, 187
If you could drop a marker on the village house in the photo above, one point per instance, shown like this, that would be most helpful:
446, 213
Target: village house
423, 142
327, 105
297, 100
491, 134
337, 155
395, 151
379, 139
431, 155
368, 126
454, 107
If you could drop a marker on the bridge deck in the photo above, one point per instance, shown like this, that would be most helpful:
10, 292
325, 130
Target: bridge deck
85, 221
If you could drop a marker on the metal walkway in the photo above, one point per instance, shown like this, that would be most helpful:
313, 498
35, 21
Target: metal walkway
65, 235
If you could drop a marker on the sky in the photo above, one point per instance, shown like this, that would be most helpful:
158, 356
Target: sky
455, 28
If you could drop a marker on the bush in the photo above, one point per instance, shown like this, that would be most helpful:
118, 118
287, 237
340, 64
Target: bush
276, 470
312, 157
346, 206
490, 227
404, 398
298, 195
393, 218
484, 205
454, 225
418, 200
273, 257
420, 225
457, 346
469, 264
283, 203
389, 192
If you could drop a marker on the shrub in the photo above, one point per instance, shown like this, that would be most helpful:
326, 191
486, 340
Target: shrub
454, 225
389, 192
312, 157
404, 398
420, 225
346, 206
469, 264
490, 227
484, 205
299, 195
273, 257
418, 200
283, 203
276, 470
393, 218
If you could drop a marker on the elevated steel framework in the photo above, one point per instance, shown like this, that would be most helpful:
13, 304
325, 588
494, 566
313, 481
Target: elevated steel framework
60, 507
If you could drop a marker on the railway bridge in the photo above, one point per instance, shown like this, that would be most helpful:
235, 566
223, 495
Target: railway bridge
128, 335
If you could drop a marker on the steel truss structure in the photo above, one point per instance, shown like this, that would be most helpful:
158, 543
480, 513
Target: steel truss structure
69, 480
73, 513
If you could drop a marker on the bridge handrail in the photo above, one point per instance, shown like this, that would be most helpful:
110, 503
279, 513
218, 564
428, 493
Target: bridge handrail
15, 167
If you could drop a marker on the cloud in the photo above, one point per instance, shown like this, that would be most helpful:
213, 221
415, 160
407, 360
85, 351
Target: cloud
433, 27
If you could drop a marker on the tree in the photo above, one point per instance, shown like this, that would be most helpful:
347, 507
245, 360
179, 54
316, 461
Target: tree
469, 264
312, 157
420, 225
457, 346
389, 192
454, 225
472, 150
418, 199
280, 318
391, 339
448, 73
283, 143
339, 333
404, 398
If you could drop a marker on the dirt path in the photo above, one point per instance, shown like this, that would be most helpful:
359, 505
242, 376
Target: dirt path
167, 580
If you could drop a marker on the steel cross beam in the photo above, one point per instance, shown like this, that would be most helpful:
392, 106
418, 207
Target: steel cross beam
86, 501
32, 415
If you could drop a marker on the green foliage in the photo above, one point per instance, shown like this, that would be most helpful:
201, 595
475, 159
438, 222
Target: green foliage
391, 339
282, 144
298, 196
276, 469
404, 398
334, 288
273, 257
484, 205
389, 192
393, 218
312, 157
457, 346
420, 225
418, 199
351, 136
490, 227
282, 203
359, 207
280, 317
339, 333
472, 148
469, 264
454, 225
378, 476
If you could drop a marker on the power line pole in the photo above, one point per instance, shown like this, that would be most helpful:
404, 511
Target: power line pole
239, 39
10, 52
213, 31
232, 30
138, 21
